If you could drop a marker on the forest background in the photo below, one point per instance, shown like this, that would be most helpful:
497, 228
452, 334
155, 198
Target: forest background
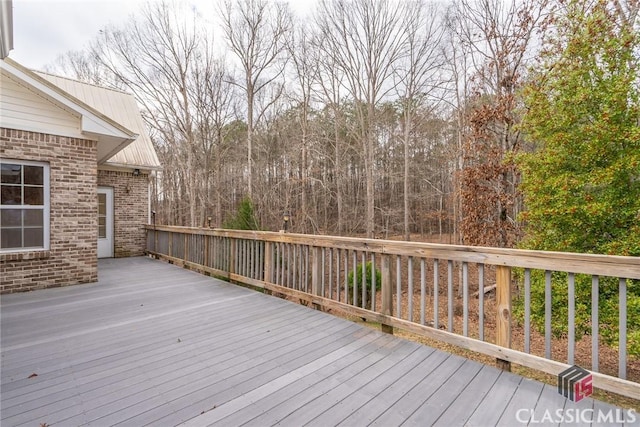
482, 122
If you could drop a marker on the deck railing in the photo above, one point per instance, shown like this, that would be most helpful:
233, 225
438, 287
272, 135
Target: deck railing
426, 289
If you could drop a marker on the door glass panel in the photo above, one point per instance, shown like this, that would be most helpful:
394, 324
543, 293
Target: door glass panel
102, 216
102, 204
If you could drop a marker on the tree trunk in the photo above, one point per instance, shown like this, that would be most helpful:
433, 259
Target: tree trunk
407, 133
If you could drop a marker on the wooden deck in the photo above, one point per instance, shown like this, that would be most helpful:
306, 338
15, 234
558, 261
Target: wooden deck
155, 344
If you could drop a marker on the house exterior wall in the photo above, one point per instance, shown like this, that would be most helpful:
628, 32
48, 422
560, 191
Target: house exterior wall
131, 210
72, 255
22, 108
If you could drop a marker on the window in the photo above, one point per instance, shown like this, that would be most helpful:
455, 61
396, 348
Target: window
24, 205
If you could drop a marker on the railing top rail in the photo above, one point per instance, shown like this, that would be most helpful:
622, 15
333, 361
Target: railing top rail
593, 264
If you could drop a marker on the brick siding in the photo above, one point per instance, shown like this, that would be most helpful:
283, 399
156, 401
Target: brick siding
131, 206
72, 256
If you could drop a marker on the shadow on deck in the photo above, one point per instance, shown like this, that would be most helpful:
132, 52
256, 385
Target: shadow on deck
154, 344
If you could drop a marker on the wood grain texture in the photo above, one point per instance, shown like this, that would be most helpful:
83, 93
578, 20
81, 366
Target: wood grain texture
592, 264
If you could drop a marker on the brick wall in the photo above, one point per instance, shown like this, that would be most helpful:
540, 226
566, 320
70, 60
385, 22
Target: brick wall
131, 206
72, 257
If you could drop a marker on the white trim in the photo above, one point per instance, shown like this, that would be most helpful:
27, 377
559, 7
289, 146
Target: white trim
108, 165
106, 245
149, 189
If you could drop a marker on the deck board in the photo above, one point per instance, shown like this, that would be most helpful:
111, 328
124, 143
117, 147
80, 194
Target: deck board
265, 411
439, 399
528, 392
154, 344
414, 397
329, 408
411, 371
470, 397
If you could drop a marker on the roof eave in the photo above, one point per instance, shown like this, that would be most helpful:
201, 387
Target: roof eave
113, 136
131, 166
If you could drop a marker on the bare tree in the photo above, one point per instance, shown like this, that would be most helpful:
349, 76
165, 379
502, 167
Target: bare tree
215, 107
256, 32
364, 133
419, 75
327, 90
459, 65
305, 74
364, 38
627, 11
84, 66
157, 56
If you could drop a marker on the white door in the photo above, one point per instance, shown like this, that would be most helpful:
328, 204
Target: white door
105, 222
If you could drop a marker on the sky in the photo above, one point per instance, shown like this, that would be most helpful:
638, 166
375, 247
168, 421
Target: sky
45, 29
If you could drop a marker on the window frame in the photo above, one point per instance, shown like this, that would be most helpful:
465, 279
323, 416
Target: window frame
45, 207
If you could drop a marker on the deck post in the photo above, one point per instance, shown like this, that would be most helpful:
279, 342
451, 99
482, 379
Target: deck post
232, 256
503, 316
316, 272
155, 241
387, 294
268, 265
185, 252
205, 251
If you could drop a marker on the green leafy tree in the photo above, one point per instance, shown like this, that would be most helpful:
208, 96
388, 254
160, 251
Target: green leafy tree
244, 219
582, 182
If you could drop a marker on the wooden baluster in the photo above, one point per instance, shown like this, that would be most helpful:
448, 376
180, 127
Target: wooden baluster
316, 272
503, 318
387, 294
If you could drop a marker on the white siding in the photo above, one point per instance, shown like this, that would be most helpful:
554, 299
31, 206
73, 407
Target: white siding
23, 109
120, 107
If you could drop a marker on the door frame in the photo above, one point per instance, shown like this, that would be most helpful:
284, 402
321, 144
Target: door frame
106, 245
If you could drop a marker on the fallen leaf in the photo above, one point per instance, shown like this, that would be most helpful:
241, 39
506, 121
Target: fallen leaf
207, 410
33, 375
